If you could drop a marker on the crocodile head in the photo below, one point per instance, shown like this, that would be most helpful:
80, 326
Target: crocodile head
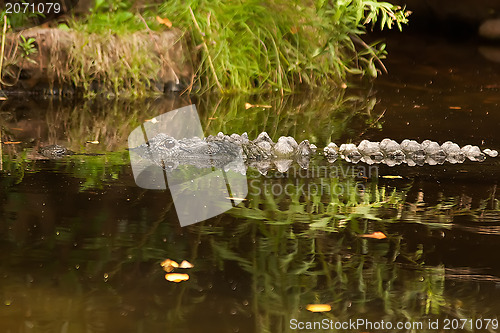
168, 152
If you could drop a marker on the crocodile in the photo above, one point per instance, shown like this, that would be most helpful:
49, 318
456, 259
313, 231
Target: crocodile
221, 150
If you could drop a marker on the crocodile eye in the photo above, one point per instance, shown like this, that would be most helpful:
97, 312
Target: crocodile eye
169, 143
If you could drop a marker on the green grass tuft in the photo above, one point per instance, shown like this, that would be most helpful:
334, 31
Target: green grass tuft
251, 45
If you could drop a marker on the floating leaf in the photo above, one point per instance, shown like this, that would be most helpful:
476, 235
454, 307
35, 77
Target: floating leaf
375, 235
186, 264
165, 21
318, 307
168, 265
176, 277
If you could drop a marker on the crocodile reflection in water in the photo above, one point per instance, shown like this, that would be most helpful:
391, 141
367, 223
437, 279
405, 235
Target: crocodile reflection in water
262, 153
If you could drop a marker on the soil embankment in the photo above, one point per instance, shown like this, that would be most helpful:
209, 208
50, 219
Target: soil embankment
58, 61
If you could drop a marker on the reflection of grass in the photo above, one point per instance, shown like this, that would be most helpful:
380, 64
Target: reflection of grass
328, 206
305, 249
95, 170
320, 119
110, 122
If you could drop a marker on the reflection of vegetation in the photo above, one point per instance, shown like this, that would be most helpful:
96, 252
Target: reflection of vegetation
305, 249
320, 119
94, 254
328, 205
110, 122
261, 267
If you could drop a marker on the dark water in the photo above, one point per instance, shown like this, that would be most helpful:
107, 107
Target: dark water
81, 244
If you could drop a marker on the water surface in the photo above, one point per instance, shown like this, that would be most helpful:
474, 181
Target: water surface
82, 244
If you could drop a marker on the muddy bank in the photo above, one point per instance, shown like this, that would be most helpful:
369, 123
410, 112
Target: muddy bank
68, 62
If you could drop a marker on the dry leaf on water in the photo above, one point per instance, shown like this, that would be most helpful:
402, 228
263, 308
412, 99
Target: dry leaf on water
392, 177
169, 265
318, 307
375, 235
176, 277
186, 264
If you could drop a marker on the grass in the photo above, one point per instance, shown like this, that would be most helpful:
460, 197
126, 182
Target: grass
246, 46
250, 45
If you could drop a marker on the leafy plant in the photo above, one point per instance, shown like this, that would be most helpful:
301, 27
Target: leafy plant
28, 48
252, 45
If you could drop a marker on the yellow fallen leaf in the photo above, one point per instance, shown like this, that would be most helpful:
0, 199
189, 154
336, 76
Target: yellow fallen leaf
165, 21
11, 142
95, 142
392, 177
318, 307
186, 264
176, 277
169, 263
375, 235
